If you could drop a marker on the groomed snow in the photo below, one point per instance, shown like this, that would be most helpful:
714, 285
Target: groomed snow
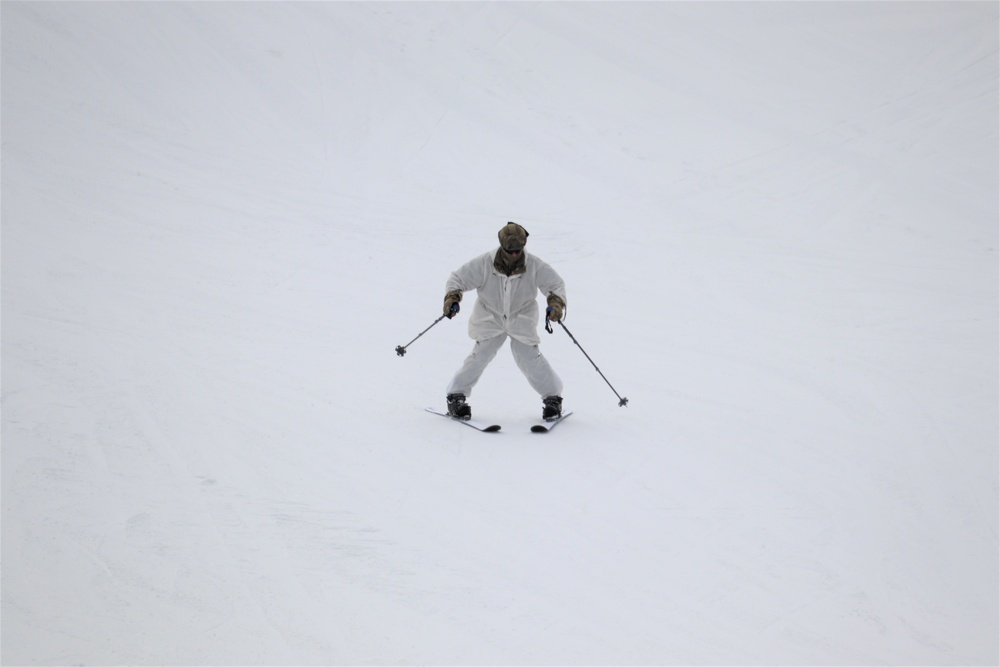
778, 226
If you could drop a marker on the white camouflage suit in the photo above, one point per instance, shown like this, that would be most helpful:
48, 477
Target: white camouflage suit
506, 306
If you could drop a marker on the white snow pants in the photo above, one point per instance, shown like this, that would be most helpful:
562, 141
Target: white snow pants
528, 358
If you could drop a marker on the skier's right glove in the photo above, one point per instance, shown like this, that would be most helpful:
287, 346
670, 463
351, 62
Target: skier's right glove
554, 311
451, 300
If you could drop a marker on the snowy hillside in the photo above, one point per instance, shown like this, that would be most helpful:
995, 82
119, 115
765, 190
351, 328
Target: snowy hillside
778, 226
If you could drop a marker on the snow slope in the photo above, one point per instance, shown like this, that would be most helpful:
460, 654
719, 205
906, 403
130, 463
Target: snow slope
778, 226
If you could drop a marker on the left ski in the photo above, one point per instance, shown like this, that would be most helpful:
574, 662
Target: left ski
546, 426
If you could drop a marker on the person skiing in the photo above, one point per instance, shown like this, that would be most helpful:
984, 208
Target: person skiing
506, 282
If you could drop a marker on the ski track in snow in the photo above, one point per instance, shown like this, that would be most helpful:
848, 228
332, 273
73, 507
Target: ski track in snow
778, 227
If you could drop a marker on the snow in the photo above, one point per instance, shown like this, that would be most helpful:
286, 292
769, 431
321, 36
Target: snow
778, 227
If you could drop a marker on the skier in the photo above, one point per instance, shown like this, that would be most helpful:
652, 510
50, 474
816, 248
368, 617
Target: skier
506, 282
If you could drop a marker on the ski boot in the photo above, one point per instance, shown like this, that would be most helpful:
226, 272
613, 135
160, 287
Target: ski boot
553, 408
458, 408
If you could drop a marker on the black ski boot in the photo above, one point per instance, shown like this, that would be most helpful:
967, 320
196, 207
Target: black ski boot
553, 408
458, 408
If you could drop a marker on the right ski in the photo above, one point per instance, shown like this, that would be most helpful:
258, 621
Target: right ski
479, 426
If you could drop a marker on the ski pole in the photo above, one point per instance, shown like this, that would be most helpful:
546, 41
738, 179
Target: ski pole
401, 349
622, 402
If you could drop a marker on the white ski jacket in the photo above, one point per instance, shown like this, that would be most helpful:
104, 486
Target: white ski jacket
506, 304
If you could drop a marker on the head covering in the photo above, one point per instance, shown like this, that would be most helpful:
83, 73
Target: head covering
512, 239
512, 236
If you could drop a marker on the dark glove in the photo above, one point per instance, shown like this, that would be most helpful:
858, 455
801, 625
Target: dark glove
451, 300
555, 308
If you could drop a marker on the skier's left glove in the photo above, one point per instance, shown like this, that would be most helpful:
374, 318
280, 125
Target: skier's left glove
555, 308
451, 300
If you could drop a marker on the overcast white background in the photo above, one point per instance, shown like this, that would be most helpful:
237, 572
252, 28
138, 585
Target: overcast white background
778, 228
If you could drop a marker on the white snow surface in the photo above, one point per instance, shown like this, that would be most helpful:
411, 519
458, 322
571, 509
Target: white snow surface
778, 227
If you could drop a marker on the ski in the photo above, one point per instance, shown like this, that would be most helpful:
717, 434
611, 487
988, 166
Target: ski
546, 426
479, 426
